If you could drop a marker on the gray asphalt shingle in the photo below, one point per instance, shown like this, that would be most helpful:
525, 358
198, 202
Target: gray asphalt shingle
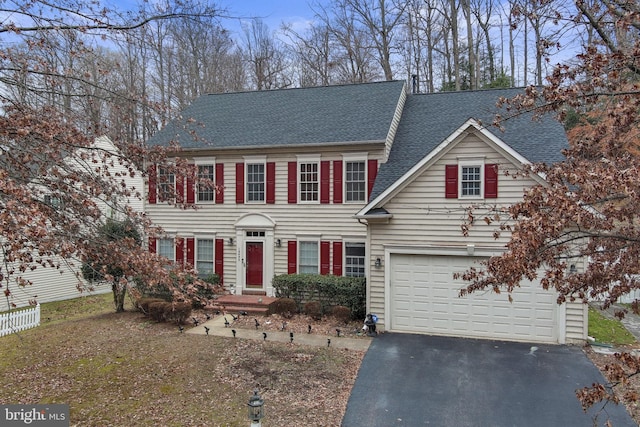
327, 114
428, 119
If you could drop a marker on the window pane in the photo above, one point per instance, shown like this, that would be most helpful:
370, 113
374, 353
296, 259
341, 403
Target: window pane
355, 181
470, 182
166, 248
354, 259
204, 253
309, 182
166, 184
255, 182
206, 193
309, 257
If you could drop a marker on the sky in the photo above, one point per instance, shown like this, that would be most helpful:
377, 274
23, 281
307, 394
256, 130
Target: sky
272, 12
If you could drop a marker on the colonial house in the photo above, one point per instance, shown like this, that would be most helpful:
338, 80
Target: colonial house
360, 180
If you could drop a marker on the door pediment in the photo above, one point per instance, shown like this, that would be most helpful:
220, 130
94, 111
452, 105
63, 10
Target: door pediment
255, 221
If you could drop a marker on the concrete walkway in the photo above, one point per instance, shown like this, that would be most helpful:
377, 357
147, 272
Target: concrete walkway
217, 327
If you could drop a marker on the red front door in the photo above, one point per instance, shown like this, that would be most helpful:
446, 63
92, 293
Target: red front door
254, 265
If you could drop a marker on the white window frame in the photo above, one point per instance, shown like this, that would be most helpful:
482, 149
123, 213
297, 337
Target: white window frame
255, 160
205, 161
354, 158
471, 163
364, 257
299, 255
196, 255
159, 184
307, 160
173, 247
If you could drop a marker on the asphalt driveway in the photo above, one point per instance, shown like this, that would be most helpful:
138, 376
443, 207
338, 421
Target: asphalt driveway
419, 380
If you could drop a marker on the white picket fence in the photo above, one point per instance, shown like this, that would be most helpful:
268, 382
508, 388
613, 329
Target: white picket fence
19, 320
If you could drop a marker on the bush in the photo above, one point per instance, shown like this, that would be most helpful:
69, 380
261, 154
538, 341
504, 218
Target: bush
143, 304
158, 309
198, 293
328, 290
286, 307
178, 312
313, 309
341, 313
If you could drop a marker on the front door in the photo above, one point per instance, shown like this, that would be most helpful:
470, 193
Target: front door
254, 257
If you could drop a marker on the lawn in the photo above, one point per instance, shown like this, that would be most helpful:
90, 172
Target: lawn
608, 331
122, 369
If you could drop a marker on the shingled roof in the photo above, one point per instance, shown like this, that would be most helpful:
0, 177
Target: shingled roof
306, 116
428, 119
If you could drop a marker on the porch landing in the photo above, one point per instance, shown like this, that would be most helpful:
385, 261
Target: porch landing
253, 304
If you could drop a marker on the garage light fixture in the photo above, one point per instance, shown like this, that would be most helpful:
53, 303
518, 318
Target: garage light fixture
378, 263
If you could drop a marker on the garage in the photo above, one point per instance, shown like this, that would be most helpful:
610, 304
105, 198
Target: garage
424, 299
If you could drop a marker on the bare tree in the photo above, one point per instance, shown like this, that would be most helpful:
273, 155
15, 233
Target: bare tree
266, 58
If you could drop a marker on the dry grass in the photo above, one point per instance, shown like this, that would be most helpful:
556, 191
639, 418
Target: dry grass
122, 369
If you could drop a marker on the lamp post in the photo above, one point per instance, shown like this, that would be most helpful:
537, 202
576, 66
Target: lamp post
256, 409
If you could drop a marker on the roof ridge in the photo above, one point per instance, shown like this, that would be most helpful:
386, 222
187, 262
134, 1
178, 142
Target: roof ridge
254, 91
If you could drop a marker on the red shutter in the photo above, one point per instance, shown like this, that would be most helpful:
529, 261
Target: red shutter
337, 181
292, 182
337, 258
220, 183
324, 257
292, 257
239, 183
191, 249
491, 181
271, 182
152, 245
372, 172
325, 171
153, 178
191, 191
219, 259
179, 186
451, 182
180, 251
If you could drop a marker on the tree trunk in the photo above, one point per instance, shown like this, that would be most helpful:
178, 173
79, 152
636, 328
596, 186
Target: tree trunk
118, 297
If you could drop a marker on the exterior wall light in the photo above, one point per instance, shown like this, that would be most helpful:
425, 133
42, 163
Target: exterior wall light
378, 262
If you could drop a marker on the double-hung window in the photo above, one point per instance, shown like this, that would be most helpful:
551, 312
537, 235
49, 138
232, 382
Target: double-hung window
255, 182
167, 249
206, 177
166, 184
354, 259
470, 181
355, 181
204, 257
471, 178
309, 182
308, 259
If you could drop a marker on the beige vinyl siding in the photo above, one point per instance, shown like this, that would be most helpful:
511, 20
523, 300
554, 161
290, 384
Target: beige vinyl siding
330, 222
52, 284
577, 322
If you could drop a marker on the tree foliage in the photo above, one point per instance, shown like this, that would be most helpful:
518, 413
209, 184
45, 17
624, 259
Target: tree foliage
58, 188
579, 234
117, 235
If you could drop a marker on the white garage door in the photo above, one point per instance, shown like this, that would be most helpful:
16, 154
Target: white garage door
424, 299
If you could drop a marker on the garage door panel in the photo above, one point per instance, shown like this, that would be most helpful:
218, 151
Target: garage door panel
425, 300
